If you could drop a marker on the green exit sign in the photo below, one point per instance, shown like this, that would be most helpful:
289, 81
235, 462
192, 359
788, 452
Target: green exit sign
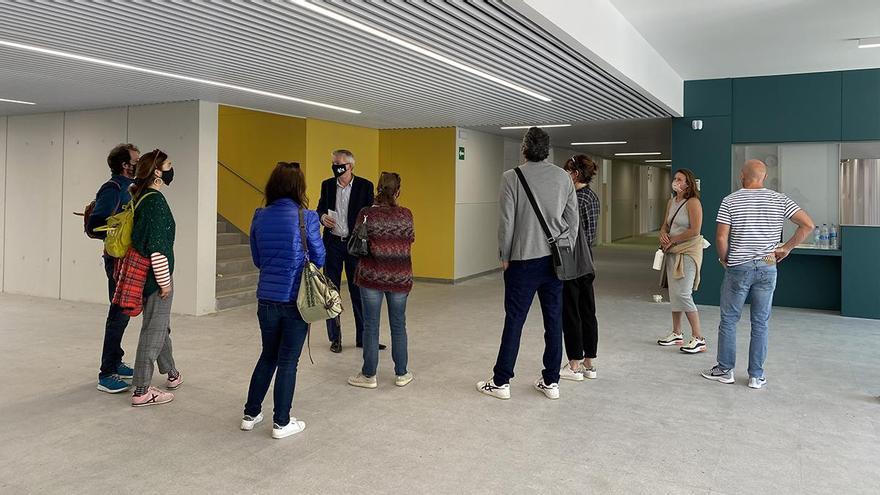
461, 152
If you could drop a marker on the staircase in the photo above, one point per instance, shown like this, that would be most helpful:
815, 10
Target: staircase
236, 274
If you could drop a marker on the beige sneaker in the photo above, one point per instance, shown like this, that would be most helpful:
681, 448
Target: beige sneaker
694, 346
671, 339
403, 380
362, 381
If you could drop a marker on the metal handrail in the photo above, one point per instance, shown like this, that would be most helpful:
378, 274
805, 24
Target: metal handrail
255, 188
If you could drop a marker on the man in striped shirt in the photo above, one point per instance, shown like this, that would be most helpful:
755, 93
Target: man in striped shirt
750, 225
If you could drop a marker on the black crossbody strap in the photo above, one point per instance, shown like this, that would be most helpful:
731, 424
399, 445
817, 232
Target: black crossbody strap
676, 213
522, 180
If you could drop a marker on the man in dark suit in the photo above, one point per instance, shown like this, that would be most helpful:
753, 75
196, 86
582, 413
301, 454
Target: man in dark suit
342, 198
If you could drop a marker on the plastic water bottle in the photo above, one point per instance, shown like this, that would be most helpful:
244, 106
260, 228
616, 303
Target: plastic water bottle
817, 237
824, 237
833, 237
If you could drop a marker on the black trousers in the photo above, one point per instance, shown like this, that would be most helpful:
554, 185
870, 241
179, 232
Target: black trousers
579, 325
337, 259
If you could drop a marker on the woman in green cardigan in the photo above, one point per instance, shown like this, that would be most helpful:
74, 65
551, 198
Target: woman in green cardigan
153, 236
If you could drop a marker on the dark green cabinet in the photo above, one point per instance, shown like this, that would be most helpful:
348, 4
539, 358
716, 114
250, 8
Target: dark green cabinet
861, 105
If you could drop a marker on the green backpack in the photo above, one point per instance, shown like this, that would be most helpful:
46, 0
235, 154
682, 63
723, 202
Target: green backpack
118, 229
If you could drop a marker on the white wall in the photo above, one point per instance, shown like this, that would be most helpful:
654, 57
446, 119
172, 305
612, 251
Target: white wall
477, 179
55, 164
2, 192
176, 128
624, 195
601, 33
34, 155
88, 137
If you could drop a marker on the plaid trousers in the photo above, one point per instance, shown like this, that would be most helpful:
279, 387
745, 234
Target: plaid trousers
154, 344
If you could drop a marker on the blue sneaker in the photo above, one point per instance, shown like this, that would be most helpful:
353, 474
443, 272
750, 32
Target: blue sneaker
112, 384
124, 371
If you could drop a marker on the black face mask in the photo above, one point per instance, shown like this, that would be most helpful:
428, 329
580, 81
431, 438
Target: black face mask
168, 176
338, 170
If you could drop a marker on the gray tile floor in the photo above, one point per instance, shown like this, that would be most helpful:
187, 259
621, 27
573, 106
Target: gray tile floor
649, 424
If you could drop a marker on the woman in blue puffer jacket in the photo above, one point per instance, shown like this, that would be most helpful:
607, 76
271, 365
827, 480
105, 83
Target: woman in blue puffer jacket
277, 251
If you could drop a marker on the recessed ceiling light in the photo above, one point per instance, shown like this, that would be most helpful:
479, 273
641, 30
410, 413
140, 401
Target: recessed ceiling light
658, 161
134, 68
530, 126
643, 153
4, 100
869, 42
416, 48
598, 143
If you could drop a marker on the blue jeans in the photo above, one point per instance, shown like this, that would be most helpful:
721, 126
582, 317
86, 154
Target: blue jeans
337, 256
758, 280
372, 305
283, 332
114, 327
522, 280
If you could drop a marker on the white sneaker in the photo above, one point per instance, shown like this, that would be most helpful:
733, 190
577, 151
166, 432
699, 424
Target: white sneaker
551, 391
291, 428
589, 372
566, 373
403, 380
362, 381
489, 388
248, 422
755, 382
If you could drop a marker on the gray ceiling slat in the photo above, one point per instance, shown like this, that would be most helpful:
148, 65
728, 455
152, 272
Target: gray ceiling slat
277, 46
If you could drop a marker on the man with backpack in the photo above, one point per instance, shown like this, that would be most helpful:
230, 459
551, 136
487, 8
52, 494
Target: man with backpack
112, 196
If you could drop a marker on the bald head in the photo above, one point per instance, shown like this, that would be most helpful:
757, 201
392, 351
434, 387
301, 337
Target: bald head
753, 174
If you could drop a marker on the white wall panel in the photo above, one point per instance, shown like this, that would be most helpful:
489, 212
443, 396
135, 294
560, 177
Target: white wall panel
32, 257
174, 128
477, 179
206, 270
2, 192
88, 138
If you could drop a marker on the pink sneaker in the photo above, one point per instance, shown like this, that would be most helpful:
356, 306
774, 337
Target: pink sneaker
153, 397
174, 384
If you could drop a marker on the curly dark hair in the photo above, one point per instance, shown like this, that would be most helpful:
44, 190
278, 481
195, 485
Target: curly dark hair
119, 156
585, 167
536, 145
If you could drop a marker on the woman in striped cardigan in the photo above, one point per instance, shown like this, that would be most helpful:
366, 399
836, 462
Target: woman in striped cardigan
153, 237
385, 273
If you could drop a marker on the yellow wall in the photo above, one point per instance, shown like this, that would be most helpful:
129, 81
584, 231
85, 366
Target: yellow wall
322, 138
251, 143
425, 160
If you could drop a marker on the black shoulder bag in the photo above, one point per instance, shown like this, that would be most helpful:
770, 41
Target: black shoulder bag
561, 250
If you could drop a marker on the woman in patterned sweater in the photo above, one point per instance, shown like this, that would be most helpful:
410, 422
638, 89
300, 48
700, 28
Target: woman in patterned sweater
386, 271
153, 236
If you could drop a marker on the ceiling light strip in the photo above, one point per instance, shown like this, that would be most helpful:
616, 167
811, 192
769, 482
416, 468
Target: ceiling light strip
416, 48
4, 100
596, 143
170, 75
658, 161
641, 153
509, 127
869, 42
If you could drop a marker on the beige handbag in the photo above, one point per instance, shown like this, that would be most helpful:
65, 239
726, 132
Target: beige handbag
318, 298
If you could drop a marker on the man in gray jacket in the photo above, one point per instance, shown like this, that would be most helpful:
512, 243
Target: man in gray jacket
527, 262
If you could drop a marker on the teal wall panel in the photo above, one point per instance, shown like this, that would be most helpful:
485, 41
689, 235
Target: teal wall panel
792, 108
808, 282
707, 153
860, 280
707, 97
861, 105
